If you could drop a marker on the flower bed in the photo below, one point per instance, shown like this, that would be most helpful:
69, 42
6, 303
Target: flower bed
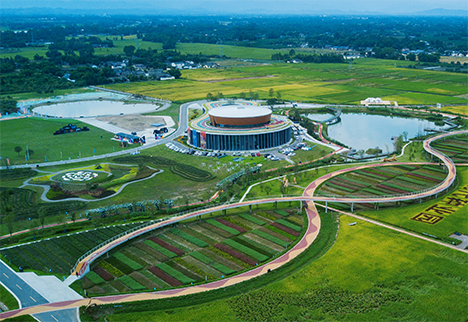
168, 246
420, 176
235, 254
386, 188
164, 276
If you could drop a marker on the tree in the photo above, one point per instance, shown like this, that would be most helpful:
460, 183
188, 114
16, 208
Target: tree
10, 223
209, 97
360, 153
42, 215
267, 189
271, 92
278, 95
271, 101
18, 149
411, 57
129, 50
175, 72
292, 52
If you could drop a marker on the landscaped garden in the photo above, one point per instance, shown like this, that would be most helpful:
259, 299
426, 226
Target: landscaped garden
455, 147
195, 252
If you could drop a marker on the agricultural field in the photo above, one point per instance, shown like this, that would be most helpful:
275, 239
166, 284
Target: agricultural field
36, 134
377, 275
58, 255
195, 252
455, 147
383, 181
319, 83
438, 217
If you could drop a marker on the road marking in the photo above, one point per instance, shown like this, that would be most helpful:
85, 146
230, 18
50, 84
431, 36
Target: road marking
32, 298
54, 317
19, 287
5, 275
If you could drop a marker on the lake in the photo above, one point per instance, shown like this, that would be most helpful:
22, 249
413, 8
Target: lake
363, 131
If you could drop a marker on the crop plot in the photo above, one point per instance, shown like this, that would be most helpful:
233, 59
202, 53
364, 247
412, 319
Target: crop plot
455, 147
196, 252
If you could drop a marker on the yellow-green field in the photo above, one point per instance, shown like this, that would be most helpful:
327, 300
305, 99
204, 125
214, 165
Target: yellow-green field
320, 83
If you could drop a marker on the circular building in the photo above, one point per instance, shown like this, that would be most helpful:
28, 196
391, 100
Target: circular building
241, 116
242, 126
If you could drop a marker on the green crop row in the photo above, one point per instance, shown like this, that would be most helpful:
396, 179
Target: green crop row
160, 249
195, 269
111, 269
175, 273
266, 215
95, 278
131, 263
246, 250
253, 219
256, 246
289, 225
228, 257
271, 238
205, 259
236, 222
130, 282
282, 212
223, 227
190, 238
392, 185
279, 231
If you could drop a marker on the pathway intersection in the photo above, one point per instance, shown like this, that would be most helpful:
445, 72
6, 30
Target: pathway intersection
310, 235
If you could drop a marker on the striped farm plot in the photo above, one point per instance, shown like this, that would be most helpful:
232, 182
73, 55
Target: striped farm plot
456, 147
59, 254
195, 252
384, 181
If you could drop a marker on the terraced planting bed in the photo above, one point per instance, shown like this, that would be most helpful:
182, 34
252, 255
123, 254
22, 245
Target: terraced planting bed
196, 252
383, 181
455, 147
59, 255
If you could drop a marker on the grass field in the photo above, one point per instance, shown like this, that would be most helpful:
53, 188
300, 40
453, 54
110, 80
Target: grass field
37, 134
369, 274
7, 299
321, 83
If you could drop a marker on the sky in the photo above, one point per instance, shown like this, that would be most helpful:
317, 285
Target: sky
244, 6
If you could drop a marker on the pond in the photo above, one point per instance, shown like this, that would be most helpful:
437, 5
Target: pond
93, 108
363, 131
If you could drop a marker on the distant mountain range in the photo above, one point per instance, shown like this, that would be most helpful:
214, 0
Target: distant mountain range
220, 7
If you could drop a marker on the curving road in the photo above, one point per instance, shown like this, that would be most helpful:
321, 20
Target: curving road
308, 238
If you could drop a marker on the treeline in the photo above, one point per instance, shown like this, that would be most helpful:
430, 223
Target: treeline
313, 58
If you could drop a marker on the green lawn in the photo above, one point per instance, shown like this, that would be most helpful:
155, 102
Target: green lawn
369, 274
8, 299
37, 134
